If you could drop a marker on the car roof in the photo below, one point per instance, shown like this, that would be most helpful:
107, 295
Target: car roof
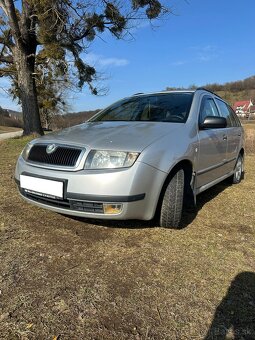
176, 91
162, 92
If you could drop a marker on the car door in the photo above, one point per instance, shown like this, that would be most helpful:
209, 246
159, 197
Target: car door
233, 132
212, 146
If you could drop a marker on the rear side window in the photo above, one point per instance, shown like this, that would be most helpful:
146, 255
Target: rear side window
208, 108
234, 117
224, 112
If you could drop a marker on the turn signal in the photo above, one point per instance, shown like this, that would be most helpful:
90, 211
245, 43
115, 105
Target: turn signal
112, 209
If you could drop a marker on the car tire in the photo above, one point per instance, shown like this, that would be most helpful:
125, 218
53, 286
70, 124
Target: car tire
238, 171
172, 202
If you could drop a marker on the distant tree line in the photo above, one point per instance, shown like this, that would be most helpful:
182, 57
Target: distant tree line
6, 120
58, 121
71, 119
235, 86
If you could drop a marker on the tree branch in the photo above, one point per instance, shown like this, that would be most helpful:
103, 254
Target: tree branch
6, 40
6, 59
2, 5
11, 13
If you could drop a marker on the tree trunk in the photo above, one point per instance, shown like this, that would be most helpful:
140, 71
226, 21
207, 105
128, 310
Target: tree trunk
28, 94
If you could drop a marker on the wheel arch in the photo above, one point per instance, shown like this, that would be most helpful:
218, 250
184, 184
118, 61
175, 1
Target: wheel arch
187, 166
184, 164
241, 152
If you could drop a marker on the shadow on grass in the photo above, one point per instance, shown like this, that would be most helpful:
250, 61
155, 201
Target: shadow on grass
188, 215
127, 224
236, 312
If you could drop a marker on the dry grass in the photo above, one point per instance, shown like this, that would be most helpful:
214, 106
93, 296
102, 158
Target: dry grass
73, 279
250, 137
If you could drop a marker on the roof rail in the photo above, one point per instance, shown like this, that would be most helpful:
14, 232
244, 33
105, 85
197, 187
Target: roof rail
205, 89
136, 94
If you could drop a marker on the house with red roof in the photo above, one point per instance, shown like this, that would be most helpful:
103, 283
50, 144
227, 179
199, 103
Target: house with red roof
243, 107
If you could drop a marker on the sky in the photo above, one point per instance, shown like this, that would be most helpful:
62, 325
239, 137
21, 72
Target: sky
203, 41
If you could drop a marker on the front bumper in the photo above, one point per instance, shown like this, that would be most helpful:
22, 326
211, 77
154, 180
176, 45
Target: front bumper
136, 189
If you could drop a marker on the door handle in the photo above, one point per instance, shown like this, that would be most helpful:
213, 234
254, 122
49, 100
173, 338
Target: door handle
225, 137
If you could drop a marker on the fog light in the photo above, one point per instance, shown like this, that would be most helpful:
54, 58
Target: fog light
112, 209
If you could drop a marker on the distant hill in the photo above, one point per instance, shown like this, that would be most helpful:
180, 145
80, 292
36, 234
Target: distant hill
14, 118
231, 91
15, 114
70, 119
10, 113
10, 118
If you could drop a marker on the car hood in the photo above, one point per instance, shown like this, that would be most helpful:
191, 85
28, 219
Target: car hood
126, 136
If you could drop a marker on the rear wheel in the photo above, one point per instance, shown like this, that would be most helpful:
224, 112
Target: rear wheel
238, 171
172, 203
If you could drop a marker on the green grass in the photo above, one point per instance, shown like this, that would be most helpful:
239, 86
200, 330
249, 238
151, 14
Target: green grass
73, 279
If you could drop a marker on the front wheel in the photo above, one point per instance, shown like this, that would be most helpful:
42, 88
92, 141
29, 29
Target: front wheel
172, 203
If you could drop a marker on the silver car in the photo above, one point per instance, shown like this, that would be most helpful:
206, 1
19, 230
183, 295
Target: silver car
146, 154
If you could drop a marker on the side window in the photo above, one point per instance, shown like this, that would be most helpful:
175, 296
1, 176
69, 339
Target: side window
224, 112
208, 108
234, 117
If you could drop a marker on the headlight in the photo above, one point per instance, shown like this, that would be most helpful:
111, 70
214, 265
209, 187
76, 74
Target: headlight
110, 159
26, 150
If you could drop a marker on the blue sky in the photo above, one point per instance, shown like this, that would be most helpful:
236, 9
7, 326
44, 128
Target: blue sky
204, 41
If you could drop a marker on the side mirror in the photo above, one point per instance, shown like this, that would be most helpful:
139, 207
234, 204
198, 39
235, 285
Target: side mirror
213, 122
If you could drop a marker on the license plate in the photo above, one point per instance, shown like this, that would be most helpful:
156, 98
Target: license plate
42, 187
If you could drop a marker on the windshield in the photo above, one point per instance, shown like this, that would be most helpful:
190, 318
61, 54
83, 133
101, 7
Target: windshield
169, 107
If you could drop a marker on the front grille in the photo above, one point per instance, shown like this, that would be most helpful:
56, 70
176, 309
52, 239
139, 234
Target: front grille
45, 200
85, 206
61, 156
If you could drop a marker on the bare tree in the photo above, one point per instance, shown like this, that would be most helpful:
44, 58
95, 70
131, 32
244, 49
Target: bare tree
37, 32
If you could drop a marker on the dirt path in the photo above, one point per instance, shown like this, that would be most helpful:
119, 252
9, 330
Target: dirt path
9, 135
